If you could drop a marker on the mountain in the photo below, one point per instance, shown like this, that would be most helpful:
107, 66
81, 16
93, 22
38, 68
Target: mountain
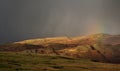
97, 47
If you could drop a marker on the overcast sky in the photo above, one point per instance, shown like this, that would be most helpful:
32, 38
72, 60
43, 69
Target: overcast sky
25, 19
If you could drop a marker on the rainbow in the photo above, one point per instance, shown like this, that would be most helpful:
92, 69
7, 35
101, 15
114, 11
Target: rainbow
94, 26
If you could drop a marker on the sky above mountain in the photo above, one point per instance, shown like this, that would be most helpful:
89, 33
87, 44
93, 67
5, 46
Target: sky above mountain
24, 19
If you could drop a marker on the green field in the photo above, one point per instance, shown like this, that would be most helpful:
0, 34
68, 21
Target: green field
36, 62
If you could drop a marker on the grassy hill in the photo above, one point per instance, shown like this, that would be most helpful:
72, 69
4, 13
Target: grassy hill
96, 47
10, 61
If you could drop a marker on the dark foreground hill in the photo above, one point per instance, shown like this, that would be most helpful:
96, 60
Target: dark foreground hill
96, 47
10, 61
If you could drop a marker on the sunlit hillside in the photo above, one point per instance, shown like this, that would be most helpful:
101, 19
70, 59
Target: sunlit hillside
97, 52
97, 47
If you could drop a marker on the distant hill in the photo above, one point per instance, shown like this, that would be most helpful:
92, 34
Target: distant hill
97, 47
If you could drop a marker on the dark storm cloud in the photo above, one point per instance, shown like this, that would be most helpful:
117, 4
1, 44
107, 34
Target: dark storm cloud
24, 19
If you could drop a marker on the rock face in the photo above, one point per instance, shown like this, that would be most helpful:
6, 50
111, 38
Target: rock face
97, 47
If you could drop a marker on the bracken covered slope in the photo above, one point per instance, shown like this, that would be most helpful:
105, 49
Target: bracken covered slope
97, 47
